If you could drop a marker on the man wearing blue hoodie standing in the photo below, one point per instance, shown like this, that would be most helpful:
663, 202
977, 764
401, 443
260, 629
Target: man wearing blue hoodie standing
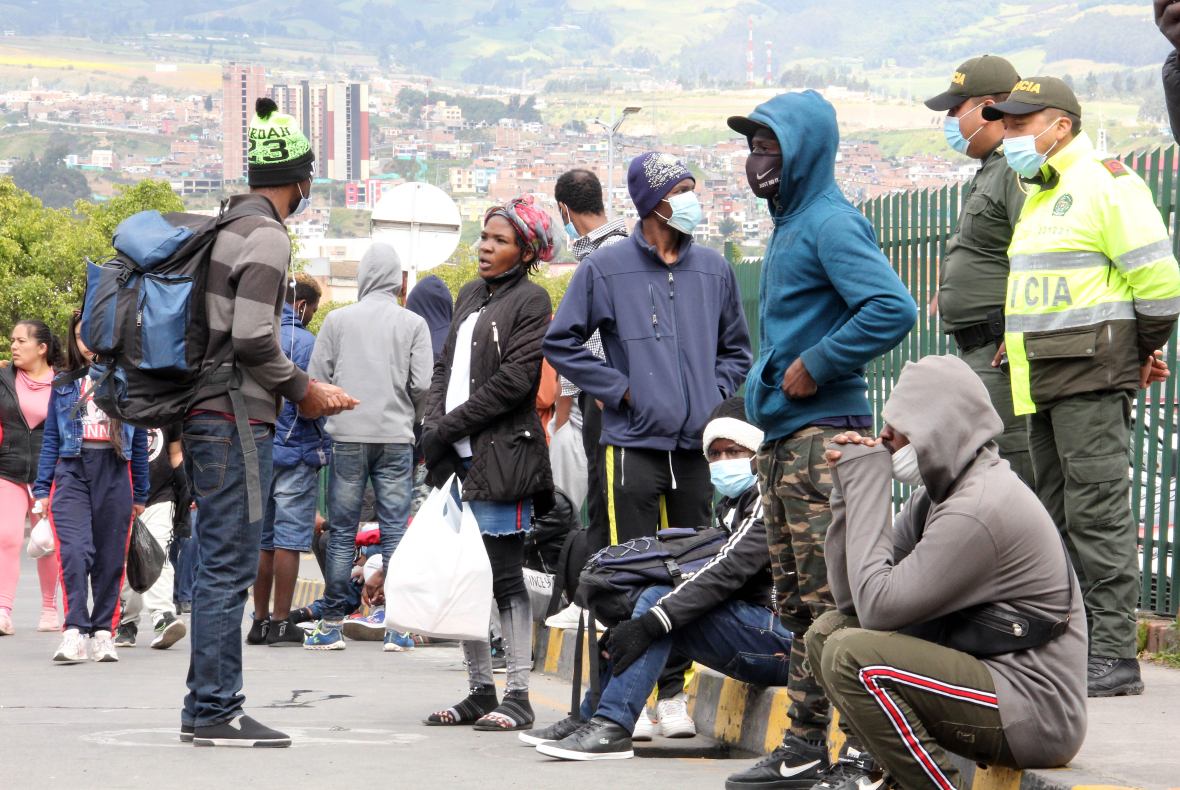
829, 304
676, 345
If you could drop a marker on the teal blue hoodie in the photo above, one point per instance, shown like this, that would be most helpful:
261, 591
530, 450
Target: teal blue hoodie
827, 294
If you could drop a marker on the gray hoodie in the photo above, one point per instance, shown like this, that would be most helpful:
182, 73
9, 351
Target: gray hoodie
986, 539
379, 352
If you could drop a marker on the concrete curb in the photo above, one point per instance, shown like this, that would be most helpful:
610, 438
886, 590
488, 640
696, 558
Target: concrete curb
752, 719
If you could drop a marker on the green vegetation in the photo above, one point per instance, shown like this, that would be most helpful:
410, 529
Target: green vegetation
48, 179
349, 223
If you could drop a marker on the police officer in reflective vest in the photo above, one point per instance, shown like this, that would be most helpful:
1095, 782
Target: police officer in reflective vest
1093, 291
973, 276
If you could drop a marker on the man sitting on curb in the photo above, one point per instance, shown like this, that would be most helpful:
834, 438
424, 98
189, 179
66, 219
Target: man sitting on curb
959, 625
721, 616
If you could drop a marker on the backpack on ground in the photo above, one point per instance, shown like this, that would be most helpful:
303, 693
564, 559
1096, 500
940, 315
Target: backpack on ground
144, 318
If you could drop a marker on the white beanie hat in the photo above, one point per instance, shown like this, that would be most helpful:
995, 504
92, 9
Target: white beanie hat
729, 422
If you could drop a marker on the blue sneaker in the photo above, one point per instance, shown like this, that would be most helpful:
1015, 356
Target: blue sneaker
326, 636
366, 629
398, 643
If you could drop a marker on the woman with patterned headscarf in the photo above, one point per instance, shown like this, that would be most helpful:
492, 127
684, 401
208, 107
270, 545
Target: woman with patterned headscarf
481, 424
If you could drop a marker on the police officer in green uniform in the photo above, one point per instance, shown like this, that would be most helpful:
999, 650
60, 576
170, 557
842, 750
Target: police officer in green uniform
973, 275
1093, 291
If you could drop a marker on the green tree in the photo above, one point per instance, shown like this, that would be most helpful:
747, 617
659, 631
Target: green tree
318, 320
727, 227
43, 250
49, 179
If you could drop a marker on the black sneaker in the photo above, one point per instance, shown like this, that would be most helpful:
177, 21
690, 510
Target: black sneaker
554, 732
855, 770
169, 630
795, 765
125, 635
186, 733
284, 633
597, 739
240, 731
258, 631
1113, 677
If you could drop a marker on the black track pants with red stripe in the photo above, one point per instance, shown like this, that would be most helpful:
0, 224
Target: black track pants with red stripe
909, 701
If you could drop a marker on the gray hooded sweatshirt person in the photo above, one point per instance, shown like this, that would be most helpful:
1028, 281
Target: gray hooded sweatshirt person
379, 352
985, 538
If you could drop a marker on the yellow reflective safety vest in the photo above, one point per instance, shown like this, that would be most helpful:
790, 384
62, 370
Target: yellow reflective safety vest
1093, 284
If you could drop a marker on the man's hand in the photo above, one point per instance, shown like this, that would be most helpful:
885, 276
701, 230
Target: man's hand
629, 640
797, 382
41, 507
325, 400
1167, 19
320, 523
374, 592
1154, 370
848, 437
137, 510
998, 359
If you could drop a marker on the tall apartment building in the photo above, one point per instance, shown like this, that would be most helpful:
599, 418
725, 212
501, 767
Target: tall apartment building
241, 85
335, 118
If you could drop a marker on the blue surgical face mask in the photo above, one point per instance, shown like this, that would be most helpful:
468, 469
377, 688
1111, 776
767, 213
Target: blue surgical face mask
1022, 155
686, 212
954, 135
304, 202
732, 477
570, 230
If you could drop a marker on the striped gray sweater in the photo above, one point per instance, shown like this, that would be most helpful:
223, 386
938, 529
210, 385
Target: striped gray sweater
244, 300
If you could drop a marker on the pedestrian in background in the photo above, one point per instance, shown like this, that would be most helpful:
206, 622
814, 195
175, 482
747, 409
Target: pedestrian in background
92, 480
481, 423
25, 388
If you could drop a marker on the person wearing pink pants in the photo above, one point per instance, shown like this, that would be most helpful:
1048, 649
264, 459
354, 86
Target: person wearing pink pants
25, 386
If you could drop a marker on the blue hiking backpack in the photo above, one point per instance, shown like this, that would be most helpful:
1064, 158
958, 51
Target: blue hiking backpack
144, 318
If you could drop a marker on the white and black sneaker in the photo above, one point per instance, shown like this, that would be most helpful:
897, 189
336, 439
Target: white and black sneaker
240, 731
597, 739
186, 733
855, 770
795, 765
554, 732
169, 630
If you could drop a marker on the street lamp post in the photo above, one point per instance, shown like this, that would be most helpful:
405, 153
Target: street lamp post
610, 130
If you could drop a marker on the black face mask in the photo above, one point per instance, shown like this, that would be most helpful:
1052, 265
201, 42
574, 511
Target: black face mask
764, 172
504, 277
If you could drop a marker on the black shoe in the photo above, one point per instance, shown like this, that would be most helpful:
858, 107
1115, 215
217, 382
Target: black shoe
597, 739
284, 633
169, 631
125, 635
554, 732
795, 765
186, 733
855, 770
240, 731
1113, 677
258, 631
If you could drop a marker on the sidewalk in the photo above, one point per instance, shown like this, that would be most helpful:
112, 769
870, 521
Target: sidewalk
1132, 742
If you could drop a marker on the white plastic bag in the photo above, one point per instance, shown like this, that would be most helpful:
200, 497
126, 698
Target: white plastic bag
439, 581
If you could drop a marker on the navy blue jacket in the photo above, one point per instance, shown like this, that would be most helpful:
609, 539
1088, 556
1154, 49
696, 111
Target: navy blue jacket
828, 295
675, 336
63, 439
298, 439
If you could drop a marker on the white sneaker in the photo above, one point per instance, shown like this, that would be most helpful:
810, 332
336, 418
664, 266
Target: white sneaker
674, 719
103, 649
73, 647
567, 618
645, 728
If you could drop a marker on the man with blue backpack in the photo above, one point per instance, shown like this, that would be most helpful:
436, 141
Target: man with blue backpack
720, 616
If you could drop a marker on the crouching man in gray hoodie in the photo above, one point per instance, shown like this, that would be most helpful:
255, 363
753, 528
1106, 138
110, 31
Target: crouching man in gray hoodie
959, 624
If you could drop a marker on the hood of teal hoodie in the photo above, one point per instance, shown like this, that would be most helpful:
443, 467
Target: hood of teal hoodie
806, 128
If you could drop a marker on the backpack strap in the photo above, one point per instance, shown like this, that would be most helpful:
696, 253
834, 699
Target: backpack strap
595, 665
252, 467
559, 585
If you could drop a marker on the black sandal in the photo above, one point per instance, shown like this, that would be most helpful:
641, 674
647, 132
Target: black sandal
514, 713
475, 707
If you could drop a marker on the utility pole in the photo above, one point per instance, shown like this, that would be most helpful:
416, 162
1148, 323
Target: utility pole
611, 129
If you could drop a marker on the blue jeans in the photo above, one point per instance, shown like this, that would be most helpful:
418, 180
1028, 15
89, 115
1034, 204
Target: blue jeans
228, 562
289, 522
737, 638
390, 467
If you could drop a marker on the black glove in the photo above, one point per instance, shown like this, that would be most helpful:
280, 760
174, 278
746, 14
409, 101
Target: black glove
434, 449
630, 639
182, 525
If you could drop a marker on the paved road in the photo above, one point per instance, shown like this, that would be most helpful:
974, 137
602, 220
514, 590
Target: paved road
354, 714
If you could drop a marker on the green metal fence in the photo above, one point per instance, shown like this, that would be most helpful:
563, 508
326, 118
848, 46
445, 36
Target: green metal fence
912, 228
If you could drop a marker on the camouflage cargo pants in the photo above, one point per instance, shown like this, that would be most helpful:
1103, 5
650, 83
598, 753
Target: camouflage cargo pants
796, 484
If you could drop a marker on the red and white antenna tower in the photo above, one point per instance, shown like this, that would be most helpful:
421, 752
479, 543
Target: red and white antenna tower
769, 59
750, 53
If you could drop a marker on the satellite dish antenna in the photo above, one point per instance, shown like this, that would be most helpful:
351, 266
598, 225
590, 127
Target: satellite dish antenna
421, 222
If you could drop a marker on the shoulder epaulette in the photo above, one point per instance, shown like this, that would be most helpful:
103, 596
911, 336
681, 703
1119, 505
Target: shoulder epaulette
1115, 167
